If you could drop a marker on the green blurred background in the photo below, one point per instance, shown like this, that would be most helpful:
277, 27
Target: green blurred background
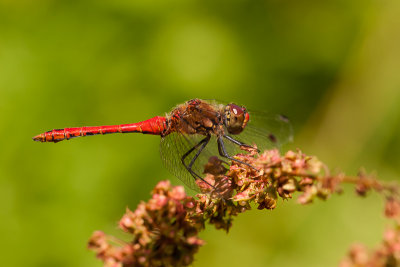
331, 66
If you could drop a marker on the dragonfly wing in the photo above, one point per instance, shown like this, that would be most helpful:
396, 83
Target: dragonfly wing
266, 131
175, 145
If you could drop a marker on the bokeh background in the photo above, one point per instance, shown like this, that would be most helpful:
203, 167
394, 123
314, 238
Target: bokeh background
332, 66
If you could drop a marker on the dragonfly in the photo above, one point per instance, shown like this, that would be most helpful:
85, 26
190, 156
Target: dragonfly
194, 132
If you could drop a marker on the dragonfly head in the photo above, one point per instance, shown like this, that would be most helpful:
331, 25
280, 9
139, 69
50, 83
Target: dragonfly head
236, 118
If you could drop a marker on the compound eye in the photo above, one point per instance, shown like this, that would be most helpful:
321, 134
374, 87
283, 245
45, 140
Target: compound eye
236, 110
237, 118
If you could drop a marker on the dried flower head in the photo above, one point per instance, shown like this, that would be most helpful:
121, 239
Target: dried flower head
165, 229
387, 254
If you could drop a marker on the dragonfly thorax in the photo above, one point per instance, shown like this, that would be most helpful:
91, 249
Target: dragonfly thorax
196, 117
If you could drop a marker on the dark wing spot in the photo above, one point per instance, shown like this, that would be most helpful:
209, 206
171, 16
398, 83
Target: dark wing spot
283, 118
272, 138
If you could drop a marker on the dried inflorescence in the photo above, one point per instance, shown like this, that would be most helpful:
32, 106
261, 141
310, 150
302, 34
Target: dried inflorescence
386, 255
388, 252
165, 229
162, 234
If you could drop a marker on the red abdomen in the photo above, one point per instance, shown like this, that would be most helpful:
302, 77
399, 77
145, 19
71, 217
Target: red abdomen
155, 126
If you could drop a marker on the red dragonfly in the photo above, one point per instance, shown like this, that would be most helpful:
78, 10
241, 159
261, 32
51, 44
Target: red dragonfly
188, 129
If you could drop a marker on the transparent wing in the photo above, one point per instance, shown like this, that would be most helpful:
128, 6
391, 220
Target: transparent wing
266, 131
175, 145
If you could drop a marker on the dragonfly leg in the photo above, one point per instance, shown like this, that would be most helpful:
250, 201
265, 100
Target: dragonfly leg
233, 140
223, 153
206, 140
202, 144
